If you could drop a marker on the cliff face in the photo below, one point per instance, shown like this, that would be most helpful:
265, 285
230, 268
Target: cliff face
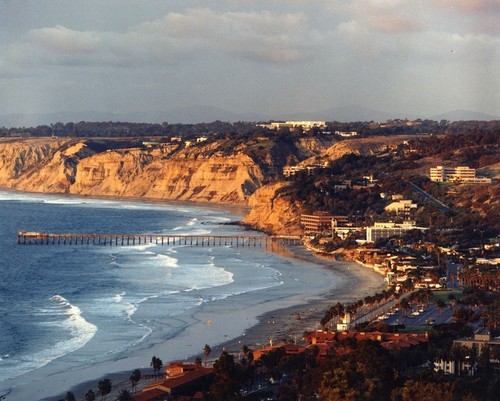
147, 174
272, 210
218, 172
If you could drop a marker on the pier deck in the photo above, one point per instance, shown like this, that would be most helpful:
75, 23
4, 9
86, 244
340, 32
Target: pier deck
34, 238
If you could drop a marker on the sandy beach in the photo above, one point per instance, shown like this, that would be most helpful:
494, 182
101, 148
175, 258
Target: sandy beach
276, 324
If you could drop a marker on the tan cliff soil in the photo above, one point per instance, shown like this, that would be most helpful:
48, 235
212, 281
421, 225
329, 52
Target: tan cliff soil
68, 166
213, 172
273, 211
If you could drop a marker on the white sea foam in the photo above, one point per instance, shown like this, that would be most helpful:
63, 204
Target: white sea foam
80, 333
119, 297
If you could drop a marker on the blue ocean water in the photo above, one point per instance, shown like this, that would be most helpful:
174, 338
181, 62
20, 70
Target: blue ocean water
74, 313
55, 299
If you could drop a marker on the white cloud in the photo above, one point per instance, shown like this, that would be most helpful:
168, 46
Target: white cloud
261, 36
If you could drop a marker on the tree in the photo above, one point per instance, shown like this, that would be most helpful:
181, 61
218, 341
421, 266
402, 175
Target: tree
134, 378
104, 387
156, 364
70, 396
227, 378
90, 396
125, 396
404, 305
206, 351
440, 305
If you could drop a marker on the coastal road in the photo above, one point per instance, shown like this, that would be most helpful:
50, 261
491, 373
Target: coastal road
427, 196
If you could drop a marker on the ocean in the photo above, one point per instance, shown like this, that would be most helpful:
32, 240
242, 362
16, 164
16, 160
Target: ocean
64, 308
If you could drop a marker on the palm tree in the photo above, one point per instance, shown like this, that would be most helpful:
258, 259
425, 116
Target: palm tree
125, 396
206, 351
134, 378
104, 387
156, 364
404, 305
90, 396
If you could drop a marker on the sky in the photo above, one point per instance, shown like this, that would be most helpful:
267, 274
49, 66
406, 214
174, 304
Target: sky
249, 56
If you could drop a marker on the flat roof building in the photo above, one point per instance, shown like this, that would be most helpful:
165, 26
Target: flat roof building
387, 230
321, 221
307, 125
456, 174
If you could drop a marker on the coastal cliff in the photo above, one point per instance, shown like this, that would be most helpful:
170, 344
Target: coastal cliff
272, 210
222, 172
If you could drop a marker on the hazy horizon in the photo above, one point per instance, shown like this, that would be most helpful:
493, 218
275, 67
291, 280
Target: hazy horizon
250, 58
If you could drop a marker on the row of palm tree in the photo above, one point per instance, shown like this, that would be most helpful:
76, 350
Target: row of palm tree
364, 306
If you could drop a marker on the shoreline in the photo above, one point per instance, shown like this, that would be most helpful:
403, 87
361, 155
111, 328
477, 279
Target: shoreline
265, 320
240, 210
276, 325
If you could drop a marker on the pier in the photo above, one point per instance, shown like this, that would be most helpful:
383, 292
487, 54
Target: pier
37, 238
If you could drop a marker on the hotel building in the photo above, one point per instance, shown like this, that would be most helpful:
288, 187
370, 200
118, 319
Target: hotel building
456, 174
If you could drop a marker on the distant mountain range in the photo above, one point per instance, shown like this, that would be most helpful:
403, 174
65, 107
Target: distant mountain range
199, 114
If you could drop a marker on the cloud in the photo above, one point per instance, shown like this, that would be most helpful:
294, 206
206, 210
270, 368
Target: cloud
469, 6
260, 36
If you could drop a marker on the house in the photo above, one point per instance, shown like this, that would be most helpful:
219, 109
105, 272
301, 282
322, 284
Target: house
187, 380
401, 206
328, 342
289, 349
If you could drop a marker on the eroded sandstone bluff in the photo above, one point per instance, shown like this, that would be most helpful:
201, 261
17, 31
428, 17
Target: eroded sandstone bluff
222, 172
226, 171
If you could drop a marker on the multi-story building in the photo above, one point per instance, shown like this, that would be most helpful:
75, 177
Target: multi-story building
468, 366
306, 125
321, 221
456, 174
386, 230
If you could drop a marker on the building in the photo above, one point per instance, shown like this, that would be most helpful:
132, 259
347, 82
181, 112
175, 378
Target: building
456, 174
292, 170
468, 366
346, 134
321, 221
306, 125
402, 206
187, 380
331, 341
387, 230
478, 342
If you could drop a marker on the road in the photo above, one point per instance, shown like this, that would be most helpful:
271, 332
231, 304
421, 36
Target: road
427, 196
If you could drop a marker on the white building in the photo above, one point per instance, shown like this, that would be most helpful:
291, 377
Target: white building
306, 125
456, 174
386, 230
402, 206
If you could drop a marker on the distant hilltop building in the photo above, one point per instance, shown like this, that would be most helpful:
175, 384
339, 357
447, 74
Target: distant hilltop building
344, 134
456, 174
306, 125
